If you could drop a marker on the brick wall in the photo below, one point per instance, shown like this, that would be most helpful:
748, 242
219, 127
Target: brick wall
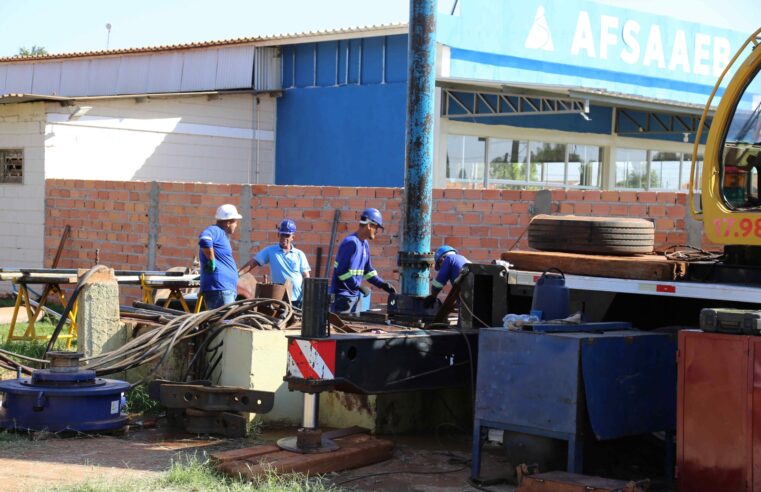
113, 217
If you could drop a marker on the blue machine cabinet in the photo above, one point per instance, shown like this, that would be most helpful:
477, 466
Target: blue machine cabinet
621, 382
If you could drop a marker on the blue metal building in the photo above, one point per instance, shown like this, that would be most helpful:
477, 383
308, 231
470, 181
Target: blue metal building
576, 95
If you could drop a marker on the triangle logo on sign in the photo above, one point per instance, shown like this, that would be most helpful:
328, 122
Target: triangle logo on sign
539, 37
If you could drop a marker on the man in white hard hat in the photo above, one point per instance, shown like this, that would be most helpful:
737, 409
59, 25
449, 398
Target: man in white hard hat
219, 273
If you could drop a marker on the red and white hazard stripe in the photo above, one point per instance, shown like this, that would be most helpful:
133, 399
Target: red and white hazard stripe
312, 359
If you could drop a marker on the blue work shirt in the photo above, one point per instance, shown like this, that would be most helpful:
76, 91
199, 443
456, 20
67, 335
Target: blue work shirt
225, 277
352, 265
451, 265
285, 265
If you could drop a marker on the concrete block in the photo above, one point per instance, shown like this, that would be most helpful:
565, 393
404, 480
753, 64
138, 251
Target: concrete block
257, 359
98, 326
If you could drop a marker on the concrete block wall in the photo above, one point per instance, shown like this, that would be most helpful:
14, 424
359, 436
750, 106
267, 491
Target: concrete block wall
114, 218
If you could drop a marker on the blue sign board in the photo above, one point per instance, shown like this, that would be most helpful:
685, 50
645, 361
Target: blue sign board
586, 44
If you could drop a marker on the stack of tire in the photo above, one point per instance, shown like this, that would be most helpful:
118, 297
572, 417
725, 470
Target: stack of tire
591, 235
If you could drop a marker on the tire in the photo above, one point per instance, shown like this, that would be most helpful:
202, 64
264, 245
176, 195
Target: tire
593, 235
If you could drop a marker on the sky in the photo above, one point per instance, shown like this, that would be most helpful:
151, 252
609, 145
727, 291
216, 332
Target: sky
80, 25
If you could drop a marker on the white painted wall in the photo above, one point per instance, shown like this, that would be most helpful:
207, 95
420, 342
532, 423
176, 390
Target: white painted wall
186, 138
22, 206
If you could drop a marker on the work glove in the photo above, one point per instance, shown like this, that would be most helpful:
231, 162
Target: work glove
388, 287
429, 301
210, 266
365, 290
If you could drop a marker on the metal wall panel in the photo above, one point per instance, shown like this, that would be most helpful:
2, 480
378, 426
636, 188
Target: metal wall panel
235, 66
47, 78
267, 71
19, 79
133, 75
165, 72
3, 74
75, 77
103, 76
199, 70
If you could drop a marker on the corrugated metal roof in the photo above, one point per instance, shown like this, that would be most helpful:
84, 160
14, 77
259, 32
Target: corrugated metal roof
276, 39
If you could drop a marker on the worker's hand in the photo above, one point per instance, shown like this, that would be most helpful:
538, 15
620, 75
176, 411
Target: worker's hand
388, 287
210, 266
429, 301
365, 290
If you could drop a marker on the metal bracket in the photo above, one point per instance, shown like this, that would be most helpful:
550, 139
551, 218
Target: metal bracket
419, 260
228, 424
210, 398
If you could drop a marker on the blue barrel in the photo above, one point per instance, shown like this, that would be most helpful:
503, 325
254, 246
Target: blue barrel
551, 295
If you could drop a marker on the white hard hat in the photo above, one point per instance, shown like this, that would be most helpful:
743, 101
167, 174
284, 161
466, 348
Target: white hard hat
227, 212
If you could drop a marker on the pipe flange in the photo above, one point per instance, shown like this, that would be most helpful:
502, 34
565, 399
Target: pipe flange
417, 260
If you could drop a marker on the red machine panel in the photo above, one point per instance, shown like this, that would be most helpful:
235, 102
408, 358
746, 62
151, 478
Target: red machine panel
715, 406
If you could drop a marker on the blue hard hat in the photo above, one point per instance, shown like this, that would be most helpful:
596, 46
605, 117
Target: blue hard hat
371, 215
287, 227
439, 254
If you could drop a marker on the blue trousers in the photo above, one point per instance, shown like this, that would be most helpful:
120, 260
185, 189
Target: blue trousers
218, 298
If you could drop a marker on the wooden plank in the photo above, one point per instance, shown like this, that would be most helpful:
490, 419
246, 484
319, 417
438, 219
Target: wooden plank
242, 454
354, 452
640, 267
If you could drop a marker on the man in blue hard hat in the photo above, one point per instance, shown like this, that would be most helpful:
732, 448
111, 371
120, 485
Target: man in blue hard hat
449, 264
219, 273
353, 265
285, 261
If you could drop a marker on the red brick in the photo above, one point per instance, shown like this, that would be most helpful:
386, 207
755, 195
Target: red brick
566, 208
438, 194
619, 210
666, 197
574, 195
592, 196
453, 194
345, 191
646, 196
637, 210
384, 192
511, 195
609, 196
491, 195
602, 209
558, 195
677, 211
627, 196
583, 208
664, 224
656, 211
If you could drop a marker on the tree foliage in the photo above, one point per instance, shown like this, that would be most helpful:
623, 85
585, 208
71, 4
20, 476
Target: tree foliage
33, 51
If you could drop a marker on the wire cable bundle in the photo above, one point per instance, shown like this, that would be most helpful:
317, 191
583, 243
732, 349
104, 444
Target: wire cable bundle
155, 345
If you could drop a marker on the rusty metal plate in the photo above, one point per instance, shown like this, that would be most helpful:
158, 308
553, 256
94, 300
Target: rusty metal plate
560, 481
212, 398
228, 424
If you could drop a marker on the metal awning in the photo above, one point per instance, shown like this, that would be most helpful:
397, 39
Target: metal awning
26, 98
66, 100
565, 93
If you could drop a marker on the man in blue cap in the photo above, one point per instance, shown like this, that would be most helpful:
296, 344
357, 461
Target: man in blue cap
219, 274
285, 261
449, 264
353, 265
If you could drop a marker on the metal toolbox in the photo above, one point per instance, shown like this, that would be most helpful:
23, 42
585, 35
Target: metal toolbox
738, 321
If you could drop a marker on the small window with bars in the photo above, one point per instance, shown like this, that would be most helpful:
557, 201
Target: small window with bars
11, 166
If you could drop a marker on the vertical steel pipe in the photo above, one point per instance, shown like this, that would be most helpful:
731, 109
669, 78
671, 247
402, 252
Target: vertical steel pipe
309, 416
415, 258
316, 303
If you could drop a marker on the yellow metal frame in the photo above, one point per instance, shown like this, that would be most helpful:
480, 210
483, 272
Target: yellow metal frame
721, 224
149, 296
32, 313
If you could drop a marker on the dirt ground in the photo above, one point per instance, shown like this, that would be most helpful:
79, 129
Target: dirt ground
420, 463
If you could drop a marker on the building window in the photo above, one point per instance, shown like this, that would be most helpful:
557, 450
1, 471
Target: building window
521, 164
654, 170
11, 166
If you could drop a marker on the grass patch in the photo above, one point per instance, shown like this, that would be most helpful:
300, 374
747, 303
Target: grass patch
190, 473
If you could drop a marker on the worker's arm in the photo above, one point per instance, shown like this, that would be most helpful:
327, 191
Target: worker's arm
206, 243
372, 277
443, 276
248, 267
304, 265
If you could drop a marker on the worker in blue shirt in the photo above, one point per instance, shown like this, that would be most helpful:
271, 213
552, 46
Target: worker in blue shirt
449, 264
285, 261
353, 265
219, 273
